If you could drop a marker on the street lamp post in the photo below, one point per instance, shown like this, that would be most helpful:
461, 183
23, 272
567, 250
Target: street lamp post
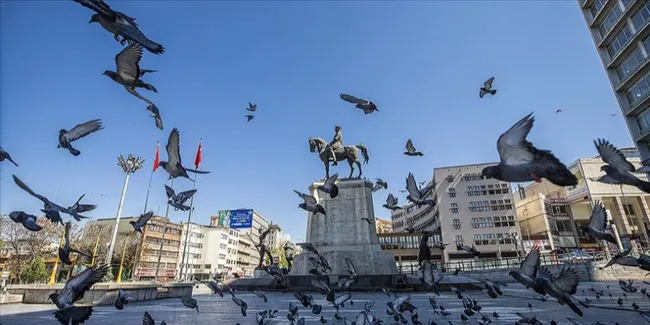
130, 166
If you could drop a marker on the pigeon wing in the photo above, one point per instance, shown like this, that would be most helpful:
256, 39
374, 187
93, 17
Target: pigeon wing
185, 195
128, 62
567, 281
608, 180
84, 129
29, 190
409, 146
427, 189
531, 263
128, 19
173, 148
330, 181
488, 83
352, 99
81, 208
147, 319
100, 7
512, 145
75, 288
612, 156
412, 187
170, 192
142, 220
598, 218
307, 198
391, 200
350, 266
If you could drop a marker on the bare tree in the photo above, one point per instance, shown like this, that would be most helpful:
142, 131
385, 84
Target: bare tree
24, 246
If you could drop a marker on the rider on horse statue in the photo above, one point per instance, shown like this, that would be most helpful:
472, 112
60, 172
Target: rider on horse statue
336, 144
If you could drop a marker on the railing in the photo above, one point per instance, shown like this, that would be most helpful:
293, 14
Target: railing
505, 263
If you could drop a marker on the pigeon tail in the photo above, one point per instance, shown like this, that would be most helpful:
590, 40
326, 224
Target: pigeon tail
609, 237
334, 191
493, 92
64, 257
575, 308
644, 186
76, 315
197, 171
563, 178
142, 84
74, 151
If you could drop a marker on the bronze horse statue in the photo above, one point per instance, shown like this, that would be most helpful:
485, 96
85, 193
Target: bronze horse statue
349, 153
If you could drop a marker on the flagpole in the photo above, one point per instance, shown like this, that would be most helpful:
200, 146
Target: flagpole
197, 161
146, 201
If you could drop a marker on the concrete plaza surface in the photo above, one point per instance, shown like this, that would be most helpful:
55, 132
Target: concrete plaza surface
217, 310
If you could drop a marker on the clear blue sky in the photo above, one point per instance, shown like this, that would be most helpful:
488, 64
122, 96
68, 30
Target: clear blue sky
421, 62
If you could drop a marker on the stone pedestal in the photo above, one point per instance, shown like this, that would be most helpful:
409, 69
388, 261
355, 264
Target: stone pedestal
260, 274
342, 233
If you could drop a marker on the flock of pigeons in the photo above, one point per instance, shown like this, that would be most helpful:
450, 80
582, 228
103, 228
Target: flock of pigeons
520, 161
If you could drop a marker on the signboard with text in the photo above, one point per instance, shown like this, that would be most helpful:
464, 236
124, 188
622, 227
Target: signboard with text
580, 190
241, 219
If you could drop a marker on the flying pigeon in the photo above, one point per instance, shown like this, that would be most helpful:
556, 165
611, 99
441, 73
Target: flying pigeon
472, 250
379, 184
174, 166
330, 187
242, 305
142, 220
528, 271
79, 131
522, 162
617, 169
487, 88
123, 298
27, 220
622, 258
178, 200
52, 210
418, 196
391, 203
598, 223
613, 114
65, 250
410, 149
560, 287
128, 71
148, 320
310, 204
155, 112
558, 111
251, 107
368, 220
190, 302
249, 118
365, 105
81, 208
119, 24
5, 155
73, 291
261, 295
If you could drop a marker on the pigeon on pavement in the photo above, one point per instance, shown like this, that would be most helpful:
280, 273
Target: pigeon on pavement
487, 88
79, 131
310, 204
73, 291
27, 220
119, 24
178, 200
418, 196
617, 169
173, 165
365, 105
142, 220
52, 210
391, 203
410, 149
123, 298
330, 187
5, 155
522, 162
598, 223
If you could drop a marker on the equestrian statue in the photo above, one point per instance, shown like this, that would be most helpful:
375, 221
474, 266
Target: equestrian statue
335, 151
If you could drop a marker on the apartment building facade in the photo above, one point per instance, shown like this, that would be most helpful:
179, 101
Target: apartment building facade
383, 226
476, 210
627, 207
621, 34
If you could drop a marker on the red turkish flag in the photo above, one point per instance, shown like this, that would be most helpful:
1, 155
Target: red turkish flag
199, 155
157, 159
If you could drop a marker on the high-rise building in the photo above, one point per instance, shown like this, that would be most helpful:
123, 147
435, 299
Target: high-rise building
423, 218
207, 251
475, 210
620, 31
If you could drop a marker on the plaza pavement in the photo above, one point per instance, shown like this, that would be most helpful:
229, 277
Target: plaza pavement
217, 310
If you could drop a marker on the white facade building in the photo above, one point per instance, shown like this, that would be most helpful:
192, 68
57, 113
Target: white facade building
208, 252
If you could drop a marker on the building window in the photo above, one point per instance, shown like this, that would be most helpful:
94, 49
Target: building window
621, 39
630, 64
639, 90
454, 205
641, 17
610, 20
629, 209
459, 240
454, 210
456, 223
595, 8
452, 194
450, 179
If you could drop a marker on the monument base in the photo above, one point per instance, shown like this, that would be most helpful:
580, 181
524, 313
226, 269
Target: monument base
261, 274
367, 259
